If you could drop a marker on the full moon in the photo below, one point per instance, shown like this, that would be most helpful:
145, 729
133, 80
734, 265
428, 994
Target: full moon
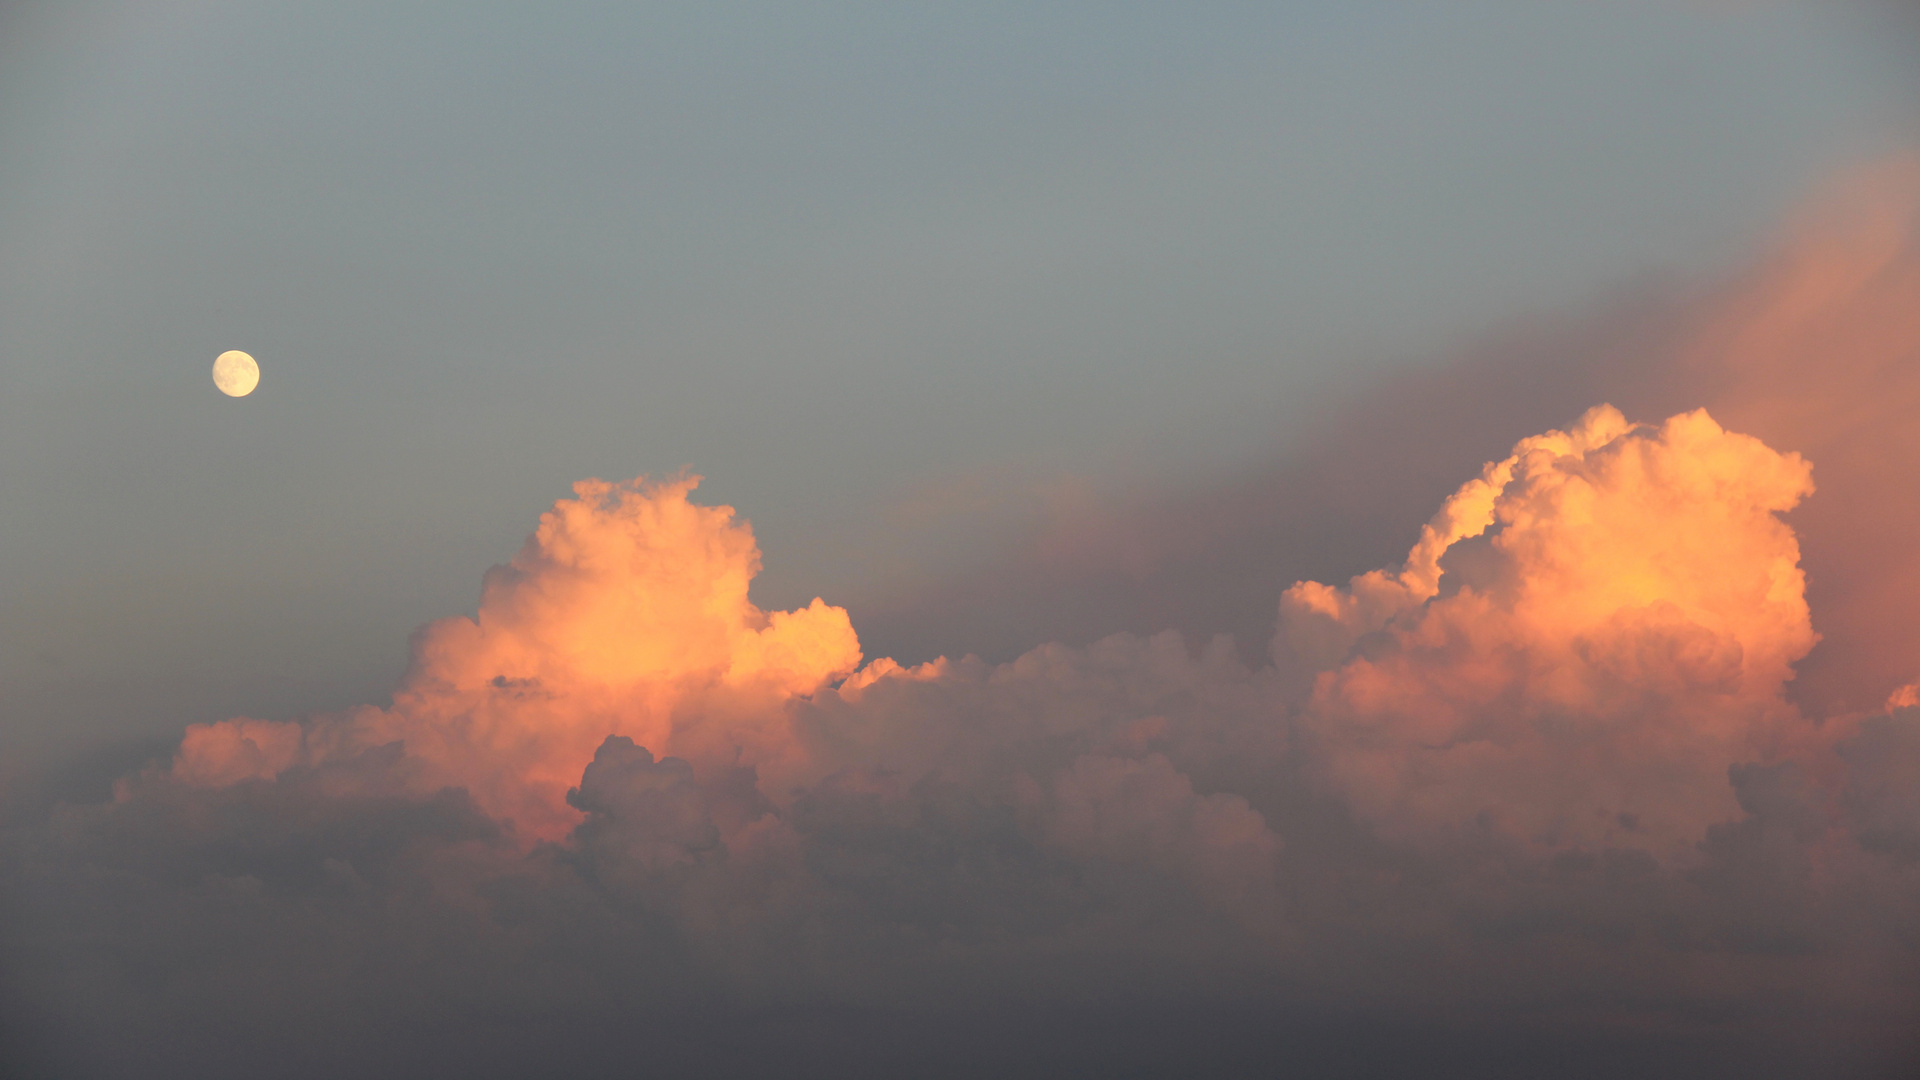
235, 373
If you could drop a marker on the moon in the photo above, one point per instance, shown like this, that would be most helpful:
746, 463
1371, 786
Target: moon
235, 373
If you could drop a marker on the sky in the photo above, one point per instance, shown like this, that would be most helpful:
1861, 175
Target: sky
1262, 442
854, 266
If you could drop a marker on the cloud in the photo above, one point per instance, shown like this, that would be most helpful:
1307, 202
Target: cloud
650, 815
626, 612
1549, 755
1543, 790
1584, 641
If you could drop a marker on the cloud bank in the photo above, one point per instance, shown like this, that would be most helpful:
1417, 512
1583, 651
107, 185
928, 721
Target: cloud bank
1541, 796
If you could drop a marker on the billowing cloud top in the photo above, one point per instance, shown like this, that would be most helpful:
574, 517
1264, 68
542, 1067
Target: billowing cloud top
1583, 641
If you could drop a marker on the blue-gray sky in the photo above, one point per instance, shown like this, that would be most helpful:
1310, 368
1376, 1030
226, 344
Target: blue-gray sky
839, 260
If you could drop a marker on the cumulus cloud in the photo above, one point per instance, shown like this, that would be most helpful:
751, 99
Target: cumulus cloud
1582, 643
1544, 787
626, 612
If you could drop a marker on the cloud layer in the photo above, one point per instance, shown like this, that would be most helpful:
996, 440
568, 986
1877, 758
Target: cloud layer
1542, 792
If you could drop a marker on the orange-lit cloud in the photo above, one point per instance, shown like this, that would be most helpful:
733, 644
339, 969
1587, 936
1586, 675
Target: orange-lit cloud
626, 613
1582, 643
